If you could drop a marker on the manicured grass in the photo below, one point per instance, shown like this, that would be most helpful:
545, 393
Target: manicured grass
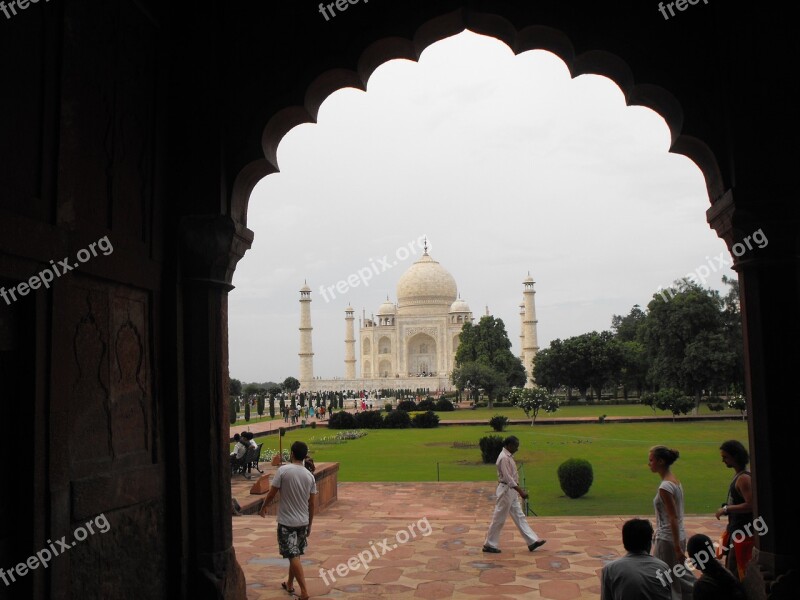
612, 410
623, 484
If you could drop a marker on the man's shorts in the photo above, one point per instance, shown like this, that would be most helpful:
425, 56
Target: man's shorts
292, 541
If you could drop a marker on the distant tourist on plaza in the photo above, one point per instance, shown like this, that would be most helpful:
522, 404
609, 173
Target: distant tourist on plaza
637, 575
738, 507
670, 536
508, 494
716, 583
295, 513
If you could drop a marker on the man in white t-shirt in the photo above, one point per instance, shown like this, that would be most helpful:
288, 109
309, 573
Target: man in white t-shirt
295, 513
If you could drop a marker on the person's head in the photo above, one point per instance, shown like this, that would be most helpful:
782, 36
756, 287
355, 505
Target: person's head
637, 535
661, 458
299, 450
247, 436
701, 550
236, 437
511, 443
734, 454
309, 464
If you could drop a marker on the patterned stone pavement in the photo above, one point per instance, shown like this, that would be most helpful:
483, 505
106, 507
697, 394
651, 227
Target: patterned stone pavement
428, 537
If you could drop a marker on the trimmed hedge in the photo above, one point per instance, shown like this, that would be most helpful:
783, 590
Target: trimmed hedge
369, 419
397, 419
407, 405
498, 422
427, 404
426, 420
575, 477
444, 405
342, 420
491, 446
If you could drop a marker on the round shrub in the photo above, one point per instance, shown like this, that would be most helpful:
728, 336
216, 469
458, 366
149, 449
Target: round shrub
498, 422
387, 407
407, 405
397, 419
575, 477
427, 404
426, 420
444, 405
341, 420
369, 419
491, 446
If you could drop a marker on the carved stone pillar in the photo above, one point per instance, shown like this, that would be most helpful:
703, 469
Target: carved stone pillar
769, 278
210, 248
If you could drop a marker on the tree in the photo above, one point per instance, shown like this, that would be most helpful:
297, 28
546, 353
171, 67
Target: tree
487, 344
260, 405
235, 387
633, 367
674, 401
685, 340
479, 375
290, 384
251, 389
605, 359
732, 330
232, 416
247, 409
547, 368
533, 400
626, 329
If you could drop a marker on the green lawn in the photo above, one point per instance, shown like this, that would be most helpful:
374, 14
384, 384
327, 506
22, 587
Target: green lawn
623, 484
612, 410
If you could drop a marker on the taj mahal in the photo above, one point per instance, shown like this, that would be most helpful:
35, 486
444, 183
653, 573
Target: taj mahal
411, 343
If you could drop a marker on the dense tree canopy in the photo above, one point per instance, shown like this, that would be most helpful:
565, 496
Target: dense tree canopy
485, 347
689, 340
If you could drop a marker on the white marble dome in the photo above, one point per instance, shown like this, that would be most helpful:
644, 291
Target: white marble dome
387, 308
426, 282
459, 306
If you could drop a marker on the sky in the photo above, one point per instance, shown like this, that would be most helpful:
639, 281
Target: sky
506, 165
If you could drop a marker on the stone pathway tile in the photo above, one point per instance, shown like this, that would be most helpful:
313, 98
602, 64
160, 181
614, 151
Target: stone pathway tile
423, 540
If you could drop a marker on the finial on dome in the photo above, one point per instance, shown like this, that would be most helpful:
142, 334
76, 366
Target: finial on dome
425, 246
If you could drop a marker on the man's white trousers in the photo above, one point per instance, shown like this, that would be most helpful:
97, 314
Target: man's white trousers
508, 504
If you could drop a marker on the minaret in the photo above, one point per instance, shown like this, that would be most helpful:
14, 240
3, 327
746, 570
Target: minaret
306, 354
531, 344
349, 344
522, 331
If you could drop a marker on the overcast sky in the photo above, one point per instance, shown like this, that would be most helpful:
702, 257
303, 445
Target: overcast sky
506, 164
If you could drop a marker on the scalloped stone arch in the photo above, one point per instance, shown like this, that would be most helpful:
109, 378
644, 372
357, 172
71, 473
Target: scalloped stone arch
535, 37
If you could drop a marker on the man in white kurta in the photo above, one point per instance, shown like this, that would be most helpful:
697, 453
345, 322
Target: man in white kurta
508, 495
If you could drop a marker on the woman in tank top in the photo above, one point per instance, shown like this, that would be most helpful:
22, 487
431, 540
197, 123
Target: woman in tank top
670, 536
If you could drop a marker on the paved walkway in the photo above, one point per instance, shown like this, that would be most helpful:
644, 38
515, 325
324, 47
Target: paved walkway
445, 563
